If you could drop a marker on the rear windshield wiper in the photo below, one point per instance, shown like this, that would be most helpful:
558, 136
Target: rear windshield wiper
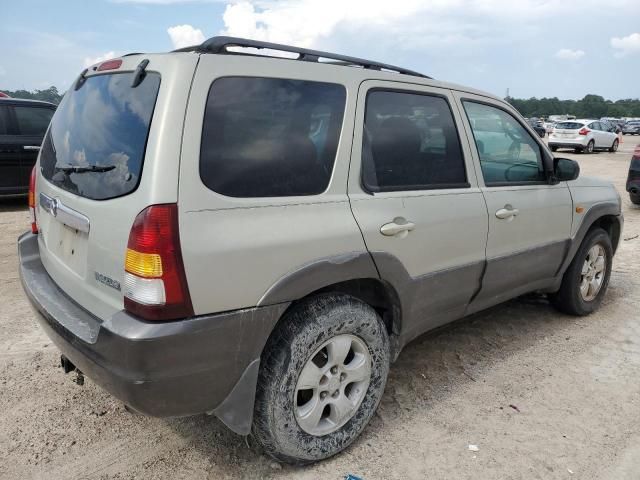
90, 168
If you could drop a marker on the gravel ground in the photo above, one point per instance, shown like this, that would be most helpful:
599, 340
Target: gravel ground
541, 394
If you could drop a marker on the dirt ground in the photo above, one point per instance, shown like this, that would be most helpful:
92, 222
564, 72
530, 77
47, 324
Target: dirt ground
541, 394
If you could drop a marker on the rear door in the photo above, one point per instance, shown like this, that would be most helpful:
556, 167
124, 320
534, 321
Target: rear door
529, 219
600, 137
11, 180
32, 122
414, 194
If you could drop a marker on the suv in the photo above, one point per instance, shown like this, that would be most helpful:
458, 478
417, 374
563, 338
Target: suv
631, 128
22, 127
259, 237
583, 136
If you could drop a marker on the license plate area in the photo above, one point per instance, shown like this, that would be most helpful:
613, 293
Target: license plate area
68, 245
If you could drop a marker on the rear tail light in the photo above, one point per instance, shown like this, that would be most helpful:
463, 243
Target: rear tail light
584, 131
32, 200
155, 284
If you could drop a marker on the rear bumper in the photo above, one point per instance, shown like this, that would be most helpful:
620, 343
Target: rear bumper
202, 364
562, 143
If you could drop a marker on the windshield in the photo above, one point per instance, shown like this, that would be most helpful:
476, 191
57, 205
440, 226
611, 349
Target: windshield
95, 146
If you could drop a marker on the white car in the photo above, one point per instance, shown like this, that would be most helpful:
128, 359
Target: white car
583, 136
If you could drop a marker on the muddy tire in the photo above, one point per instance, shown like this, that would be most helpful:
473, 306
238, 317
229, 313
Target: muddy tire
585, 282
330, 354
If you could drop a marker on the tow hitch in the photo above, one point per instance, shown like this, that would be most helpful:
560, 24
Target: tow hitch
68, 366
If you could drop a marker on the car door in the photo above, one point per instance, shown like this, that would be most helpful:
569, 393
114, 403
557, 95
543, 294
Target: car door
529, 219
414, 194
32, 122
10, 152
598, 134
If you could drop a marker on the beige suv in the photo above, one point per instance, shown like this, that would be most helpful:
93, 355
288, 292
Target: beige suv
257, 237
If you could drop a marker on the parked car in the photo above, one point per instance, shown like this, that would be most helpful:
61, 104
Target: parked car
583, 136
22, 127
631, 128
259, 237
548, 126
633, 179
538, 127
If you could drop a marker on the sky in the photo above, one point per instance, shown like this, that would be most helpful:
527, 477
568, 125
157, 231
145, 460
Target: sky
561, 48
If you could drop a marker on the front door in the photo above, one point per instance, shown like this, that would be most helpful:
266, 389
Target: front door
529, 219
32, 124
414, 194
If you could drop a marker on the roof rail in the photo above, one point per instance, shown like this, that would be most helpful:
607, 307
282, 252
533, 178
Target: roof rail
220, 45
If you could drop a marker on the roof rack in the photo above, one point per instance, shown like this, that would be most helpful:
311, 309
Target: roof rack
220, 45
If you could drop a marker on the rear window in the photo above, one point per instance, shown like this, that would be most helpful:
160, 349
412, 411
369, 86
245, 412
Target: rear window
569, 125
95, 146
270, 137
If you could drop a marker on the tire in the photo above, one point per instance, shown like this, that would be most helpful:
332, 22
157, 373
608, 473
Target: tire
554, 149
590, 146
578, 150
297, 342
570, 299
635, 199
614, 147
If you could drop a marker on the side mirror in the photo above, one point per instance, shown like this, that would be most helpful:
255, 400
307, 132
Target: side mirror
565, 169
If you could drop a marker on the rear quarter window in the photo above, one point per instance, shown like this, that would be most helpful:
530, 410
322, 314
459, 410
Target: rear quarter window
33, 121
270, 137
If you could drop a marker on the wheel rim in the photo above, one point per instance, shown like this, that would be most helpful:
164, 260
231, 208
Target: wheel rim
590, 147
593, 273
615, 145
332, 385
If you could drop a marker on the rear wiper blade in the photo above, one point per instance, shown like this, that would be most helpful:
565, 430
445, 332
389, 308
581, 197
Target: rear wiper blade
90, 168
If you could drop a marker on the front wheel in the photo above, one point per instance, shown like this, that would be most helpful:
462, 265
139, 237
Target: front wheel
635, 198
585, 281
322, 376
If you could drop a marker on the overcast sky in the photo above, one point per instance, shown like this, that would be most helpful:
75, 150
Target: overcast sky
563, 48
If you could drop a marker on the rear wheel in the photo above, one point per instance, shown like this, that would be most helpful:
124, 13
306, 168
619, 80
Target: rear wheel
635, 198
585, 281
590, 146
322, 376
614, 147
554, 149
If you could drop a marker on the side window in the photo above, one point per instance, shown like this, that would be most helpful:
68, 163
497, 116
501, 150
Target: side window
33, 120
410, 142
4, 121
270, 137
508, 154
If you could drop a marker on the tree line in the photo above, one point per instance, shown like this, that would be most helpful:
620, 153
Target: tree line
50, 94
591, 106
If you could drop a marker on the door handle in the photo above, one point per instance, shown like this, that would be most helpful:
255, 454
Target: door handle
400, 227
31, 147
507, 212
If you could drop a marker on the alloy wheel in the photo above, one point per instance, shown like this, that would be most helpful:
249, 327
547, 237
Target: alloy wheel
593, 272
332, 385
